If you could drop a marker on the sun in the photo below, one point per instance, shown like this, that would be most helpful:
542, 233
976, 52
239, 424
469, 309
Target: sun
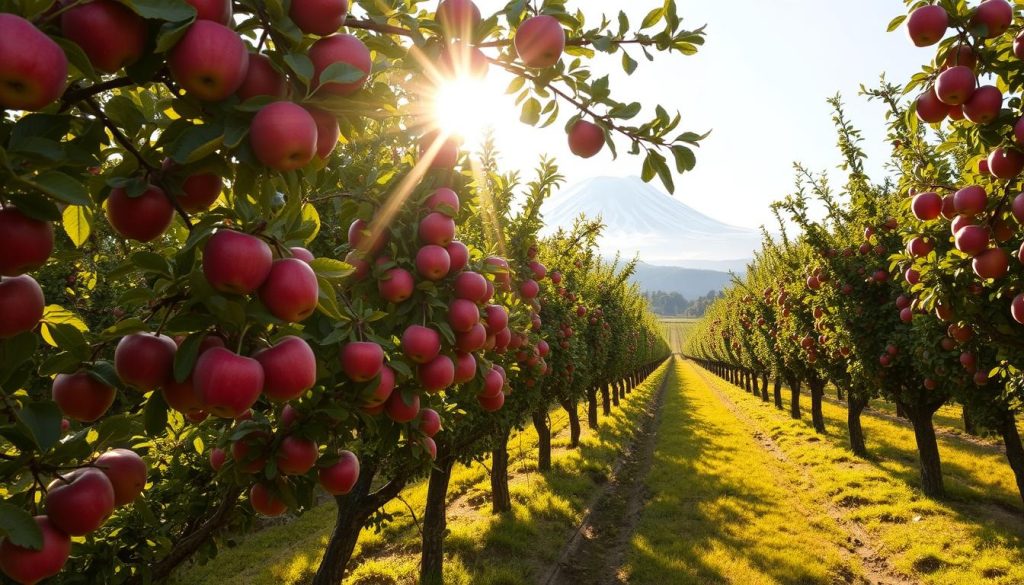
466, 107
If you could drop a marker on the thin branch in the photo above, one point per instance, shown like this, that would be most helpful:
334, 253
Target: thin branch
77, 93
413, 513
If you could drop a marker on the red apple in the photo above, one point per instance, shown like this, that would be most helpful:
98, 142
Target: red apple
80, 501
25, 243
961, 54
1018, 46
265, 502
442, 153
970, 200
110, 34
920, 247
471, 286
972, 240
216, 10
458, 18
955, 85
396, 285
236, 263
296, 455
927, 25
385, 386
229, 384
335, 49
992, 263
200, 191
302, 254
984, 105
463, 315
290, 292
28, 566
465, 367
586, 138
496, 317
433, 262
437, 374
421, 344
339, 479
262, 79
458, 254
145, 360
948, 207
543, 348
217, 458
283, 136
182, 396
430, 422
21, 305
1005, 163
401, 411
126, 472
1017, 308
209, 79
364, 239
472, 340
34, 69
494, 381
991, 18
444, 201
327, 131
362, 360
529, 289
492, 403
437, 228
429, 446
289, 369
930, 109
81, 397
143, 218
907, 315
319, 17
540, 41
927, 206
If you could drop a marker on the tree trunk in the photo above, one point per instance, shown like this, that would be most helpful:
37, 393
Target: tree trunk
840, 394
571, 409
617, 390
817, 386
435, 523
927, 449
606, 400
969, 427
592, 408
1014, 450
540, 422
748, 380
778, 393
501, 499
764, 388
354, 509
854, 407
794, 398
899, 411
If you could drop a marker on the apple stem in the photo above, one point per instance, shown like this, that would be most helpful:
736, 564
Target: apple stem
241, 339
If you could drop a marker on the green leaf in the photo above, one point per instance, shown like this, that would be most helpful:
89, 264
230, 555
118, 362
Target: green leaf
340, 73
310, 216
652, 18
35, 206
104, 371
185, 358
77, 58
171, 10
685, 159
331, 269
301, 66
155, 414
43, 420
628, 63
61, 187
77, 223
531, 112
197, 142
328, 300
19, 527
896, 22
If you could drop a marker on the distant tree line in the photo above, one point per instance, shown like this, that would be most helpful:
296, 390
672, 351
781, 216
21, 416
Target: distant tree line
673, 304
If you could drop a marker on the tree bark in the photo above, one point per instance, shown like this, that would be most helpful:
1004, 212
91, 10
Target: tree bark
592, 408
617, 390
501, 499
1014, 450
540, 423
840, 395
778, 393
764, 387
606, 400
354, 509
571, 409
927, 449
817, 386
969, 426
435, 522
794, 398
854, 407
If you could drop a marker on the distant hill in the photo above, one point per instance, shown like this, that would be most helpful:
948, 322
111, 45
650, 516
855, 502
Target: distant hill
664, 231
688, 282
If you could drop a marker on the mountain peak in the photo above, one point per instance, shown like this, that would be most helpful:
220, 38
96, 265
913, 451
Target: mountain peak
642, 219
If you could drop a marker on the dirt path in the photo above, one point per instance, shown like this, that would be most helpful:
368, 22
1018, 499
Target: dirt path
860, 542
596, 551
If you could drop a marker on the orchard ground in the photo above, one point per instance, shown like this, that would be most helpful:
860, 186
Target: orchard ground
760, 496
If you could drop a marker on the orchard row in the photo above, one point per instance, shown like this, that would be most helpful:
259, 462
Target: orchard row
908, 289
241, 266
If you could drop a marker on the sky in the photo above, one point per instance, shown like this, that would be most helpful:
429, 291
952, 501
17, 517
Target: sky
759, 84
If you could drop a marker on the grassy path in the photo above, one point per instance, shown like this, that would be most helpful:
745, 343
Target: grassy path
741, 493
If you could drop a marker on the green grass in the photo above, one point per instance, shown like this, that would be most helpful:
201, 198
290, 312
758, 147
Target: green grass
723, 509
483, 549
975, 536
676, 332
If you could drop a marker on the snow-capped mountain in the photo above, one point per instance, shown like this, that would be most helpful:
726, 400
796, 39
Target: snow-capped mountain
642, 219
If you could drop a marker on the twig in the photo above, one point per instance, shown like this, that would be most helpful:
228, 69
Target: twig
412, 512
